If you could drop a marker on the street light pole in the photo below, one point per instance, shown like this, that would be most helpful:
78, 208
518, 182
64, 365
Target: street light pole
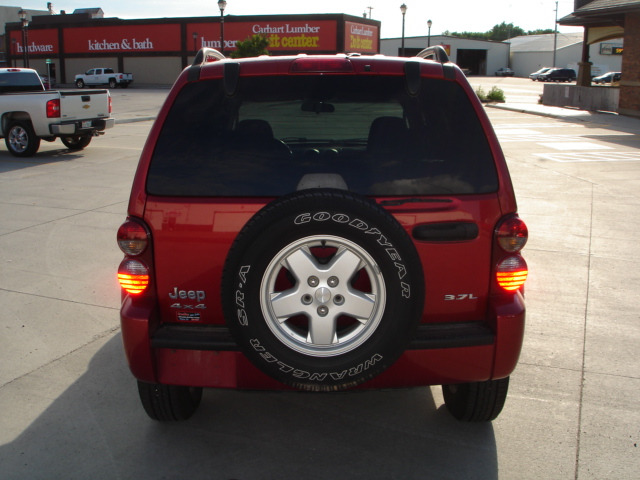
25, 38
429, 23
222, 5
555, 36
403, 9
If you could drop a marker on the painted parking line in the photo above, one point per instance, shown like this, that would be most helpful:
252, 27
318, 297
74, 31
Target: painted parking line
566, 146
585, 157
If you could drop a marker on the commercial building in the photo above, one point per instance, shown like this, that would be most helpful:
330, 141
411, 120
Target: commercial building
604, 20
156, 50
479, 57
529, 53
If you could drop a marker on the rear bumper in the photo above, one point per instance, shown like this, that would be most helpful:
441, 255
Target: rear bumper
207, 355
79, 127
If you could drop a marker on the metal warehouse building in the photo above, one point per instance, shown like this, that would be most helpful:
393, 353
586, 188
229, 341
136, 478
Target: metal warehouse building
480, 57
156, 50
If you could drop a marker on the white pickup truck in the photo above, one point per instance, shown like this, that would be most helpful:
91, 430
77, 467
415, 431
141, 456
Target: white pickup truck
103, 76
29, 113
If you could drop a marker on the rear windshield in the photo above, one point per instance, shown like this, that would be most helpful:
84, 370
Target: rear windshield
276, 135
20, 82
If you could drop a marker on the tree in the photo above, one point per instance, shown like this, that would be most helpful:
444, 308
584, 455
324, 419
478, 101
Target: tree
540, 31
251, 47
498, 33
502, 32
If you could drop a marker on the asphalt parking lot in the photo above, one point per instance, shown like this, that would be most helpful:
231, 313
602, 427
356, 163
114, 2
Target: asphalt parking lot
70, 408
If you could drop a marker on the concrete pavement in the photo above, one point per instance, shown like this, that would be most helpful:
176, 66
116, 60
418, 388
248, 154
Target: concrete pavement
70, 408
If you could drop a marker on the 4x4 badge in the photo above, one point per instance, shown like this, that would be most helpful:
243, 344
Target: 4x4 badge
200, 306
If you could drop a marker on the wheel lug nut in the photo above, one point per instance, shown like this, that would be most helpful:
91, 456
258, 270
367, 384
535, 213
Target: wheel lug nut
313, 281
307, 299
323, 311
338, 299
333, 282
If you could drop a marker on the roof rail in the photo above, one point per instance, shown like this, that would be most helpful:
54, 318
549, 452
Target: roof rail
205, 55
436, 53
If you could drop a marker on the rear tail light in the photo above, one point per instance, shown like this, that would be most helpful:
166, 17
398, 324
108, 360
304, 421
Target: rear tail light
53, 108
511, 270
133, 238
511, 273
110, 105
512, 234
133, 276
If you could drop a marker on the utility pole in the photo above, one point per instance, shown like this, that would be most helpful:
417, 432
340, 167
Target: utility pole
370, 8
555, 36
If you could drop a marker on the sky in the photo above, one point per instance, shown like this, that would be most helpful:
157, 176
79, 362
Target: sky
452, 15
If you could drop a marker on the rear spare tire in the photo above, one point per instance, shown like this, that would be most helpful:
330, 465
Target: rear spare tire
323, 289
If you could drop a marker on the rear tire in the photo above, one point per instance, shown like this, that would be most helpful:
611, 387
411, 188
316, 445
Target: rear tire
21, 140
476, 402
169, 403
76, 142
112, 83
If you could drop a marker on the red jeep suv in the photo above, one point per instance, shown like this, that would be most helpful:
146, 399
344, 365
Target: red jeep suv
322, 223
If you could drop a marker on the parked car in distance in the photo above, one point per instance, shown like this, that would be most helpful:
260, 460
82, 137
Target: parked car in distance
505, 72
609, 77
534, 76
297, 222
558, 75
103, 76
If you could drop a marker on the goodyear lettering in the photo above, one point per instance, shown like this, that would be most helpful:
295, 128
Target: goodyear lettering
315, 376
362, 226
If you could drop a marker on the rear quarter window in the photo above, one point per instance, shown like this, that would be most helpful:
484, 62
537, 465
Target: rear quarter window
366, 130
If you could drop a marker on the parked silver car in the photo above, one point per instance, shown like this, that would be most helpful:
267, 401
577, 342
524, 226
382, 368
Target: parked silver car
608, 77
534, 76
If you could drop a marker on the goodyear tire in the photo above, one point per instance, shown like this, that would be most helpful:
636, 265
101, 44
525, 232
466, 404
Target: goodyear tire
323, 289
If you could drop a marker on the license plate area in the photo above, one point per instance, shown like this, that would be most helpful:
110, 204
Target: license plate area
86, 124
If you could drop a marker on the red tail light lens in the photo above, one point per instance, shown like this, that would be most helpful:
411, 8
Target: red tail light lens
132, 238
53, 108
512, 234
133, 276
511, 273
110, 105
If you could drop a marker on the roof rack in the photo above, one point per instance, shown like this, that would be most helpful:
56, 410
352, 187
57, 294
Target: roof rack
205, 55
436, 53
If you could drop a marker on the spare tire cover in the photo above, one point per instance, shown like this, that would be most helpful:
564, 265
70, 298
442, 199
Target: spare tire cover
322, 289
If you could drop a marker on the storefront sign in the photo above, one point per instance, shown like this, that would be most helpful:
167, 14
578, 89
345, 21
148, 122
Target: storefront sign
119, 39
360, 38
611, 49
43, 42
303, 36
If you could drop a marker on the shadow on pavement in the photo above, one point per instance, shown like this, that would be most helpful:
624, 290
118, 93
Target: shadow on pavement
10, 163
97, 429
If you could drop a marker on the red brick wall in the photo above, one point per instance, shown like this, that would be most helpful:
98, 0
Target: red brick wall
630, 84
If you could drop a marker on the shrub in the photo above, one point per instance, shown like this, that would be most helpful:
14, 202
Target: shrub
481, 95
496, 95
